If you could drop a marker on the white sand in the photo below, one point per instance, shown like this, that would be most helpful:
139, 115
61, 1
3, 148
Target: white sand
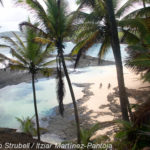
95, 108
106, 75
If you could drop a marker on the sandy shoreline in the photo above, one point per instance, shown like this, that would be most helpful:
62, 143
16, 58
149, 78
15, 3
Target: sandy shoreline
8, 77
92, 109
98, 104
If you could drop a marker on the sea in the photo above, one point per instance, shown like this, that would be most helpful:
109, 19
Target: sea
17, 100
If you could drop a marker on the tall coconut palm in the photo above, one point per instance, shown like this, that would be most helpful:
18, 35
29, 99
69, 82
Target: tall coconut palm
117, 54
96, 24
57, 25
32, 57
97, 28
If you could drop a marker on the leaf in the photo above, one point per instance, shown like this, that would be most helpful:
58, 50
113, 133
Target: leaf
43, 40
47, 72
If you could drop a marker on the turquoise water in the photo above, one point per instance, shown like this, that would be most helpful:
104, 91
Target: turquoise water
93, 51
17, 100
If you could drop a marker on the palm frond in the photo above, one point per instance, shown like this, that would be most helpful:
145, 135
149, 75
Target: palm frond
40, 13
136, 25
18, 67
47, 72
19, 40
84, 45
130, 38
104, 48
18, 56
3, 57
138, 13
89, 3
42, 56
4, 46
71, 19
14, 45
11, 41
52, 62
28, 24
141, 61
124, 8
43, 40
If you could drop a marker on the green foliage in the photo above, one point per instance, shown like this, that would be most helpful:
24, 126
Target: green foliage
101, 139
29, 54
86, 134
94, 27
131, 137
139, 58
134, 106
27, 125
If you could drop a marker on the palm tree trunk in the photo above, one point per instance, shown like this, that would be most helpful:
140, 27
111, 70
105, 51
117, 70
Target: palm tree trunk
35, 106
72, 95
144, 6
117, 54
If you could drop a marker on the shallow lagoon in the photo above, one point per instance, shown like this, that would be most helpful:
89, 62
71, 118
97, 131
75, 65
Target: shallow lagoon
17, 100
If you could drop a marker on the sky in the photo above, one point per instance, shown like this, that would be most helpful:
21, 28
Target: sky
11, 15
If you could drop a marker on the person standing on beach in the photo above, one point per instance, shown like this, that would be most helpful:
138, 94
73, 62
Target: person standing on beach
100, 86
109, 85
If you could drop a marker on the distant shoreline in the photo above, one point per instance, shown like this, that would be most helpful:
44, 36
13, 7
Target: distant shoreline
8, 77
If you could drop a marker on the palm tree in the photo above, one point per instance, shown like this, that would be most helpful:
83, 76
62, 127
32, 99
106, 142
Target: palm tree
57, 26
116, 51
139, 54
97, 28
143, 12
32, 57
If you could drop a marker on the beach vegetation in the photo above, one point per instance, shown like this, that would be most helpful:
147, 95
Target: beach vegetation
97, 27
27, 125
105, 23
86, 134
132, 137
31, 57
57, 26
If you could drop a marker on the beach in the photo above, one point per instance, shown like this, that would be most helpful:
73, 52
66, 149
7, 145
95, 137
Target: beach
99, 102
98, 105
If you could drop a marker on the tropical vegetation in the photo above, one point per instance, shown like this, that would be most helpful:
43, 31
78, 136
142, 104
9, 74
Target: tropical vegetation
27, 126
101, 24
32, 57
58, 25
